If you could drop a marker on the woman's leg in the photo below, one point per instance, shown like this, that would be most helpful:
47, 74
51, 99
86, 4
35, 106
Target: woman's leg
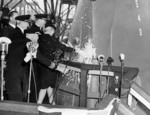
50, 95
41, 96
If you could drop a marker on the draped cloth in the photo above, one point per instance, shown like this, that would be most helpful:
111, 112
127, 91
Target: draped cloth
107, 107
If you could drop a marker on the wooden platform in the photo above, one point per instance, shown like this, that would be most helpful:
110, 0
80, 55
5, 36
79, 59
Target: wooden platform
23, 108
18, 108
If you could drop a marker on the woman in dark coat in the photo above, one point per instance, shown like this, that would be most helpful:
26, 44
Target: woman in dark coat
50, 47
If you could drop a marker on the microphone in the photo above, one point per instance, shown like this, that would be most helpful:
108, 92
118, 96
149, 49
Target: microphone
4, 43
101, 58
32, 48
121, 57
110, 60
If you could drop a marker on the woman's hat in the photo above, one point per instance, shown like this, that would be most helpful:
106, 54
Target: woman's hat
33, 31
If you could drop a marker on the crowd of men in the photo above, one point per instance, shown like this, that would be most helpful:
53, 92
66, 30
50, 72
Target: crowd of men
24, 30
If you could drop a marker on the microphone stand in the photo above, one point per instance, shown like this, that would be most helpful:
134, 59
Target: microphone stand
109, 62
32, 47
100, 79
120, 83
4, 49
2, 73
29, 85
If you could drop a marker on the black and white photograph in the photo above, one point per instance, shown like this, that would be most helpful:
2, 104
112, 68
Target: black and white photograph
74, 57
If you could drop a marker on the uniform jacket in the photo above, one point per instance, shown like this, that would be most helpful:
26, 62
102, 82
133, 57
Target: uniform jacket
7, 31
16, 52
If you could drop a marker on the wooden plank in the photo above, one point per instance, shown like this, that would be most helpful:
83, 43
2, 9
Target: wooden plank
69, 90
93, 72
18, 107
24, 108
77, 92
83, 89
104, 73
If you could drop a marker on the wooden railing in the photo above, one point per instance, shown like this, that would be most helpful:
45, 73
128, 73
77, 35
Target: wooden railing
86, 69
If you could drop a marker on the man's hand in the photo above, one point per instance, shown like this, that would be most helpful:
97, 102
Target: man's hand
29, 55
